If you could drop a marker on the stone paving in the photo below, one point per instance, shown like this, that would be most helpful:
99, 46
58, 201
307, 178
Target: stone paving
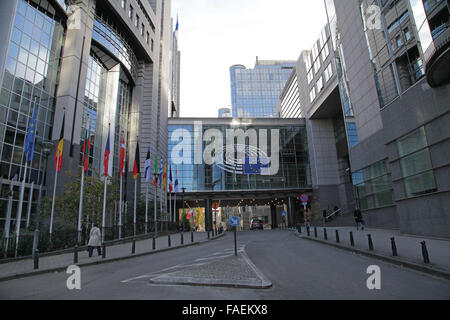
234, 271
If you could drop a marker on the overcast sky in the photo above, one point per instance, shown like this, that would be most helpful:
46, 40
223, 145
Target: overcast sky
216, 34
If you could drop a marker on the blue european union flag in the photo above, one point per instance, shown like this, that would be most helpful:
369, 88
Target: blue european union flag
29, 141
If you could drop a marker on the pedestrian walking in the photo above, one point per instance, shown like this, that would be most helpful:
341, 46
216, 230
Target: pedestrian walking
358, 219
95, 240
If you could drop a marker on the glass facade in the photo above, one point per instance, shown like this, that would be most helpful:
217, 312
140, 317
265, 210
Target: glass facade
415, 164
31, 76
293, 171
255, 92
373, 187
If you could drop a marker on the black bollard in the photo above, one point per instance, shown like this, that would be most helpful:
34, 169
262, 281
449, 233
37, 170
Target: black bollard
154, 243
133, 246
315, 232
352, 242
369, 237
103, 251
337, 236
182, 238
208, 234
325, 233
75, 255
307, 230
168, 240
426, 258
36, 259
192, 236
394, 247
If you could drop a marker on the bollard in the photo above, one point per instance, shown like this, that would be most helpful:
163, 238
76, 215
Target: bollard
337, 236
426, 258
154, 243
325, 233
352, 242
315, 232
133, 246
168, 240
103, 251
36, 259
307, 230
394, 247
75, 255
208, 235
182, 238
192, 236
369, 237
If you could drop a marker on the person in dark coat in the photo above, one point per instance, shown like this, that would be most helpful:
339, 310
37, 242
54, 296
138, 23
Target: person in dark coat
358, 219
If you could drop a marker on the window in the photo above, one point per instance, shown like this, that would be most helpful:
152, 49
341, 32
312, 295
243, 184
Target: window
312, 94
147, 37
310, 76
123, 4
142, 30
373, 187
136, 22
407, 34
415, 164
319, 84
152, 45
130, 12
328, 73
399, 41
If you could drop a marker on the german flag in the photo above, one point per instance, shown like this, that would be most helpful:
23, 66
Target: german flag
136, 165
59, 148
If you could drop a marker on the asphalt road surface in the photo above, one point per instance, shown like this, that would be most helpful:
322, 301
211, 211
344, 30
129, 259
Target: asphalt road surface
298, 269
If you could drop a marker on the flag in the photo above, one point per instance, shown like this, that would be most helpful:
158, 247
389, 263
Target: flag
59, 148
148, 164
176, 26
122, 158
106, 159
29, 141
161, 171
170, 179
86, 148
176, 180
165, 176
136, 165
155, 176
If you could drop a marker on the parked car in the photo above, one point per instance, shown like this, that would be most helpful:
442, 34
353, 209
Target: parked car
257, 224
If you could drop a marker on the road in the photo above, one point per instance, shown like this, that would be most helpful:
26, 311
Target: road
298, 269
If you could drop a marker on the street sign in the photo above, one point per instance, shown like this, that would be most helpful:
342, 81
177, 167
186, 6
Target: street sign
304, 197
234, 221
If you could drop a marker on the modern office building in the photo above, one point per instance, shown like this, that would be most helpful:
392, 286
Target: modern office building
254, 92
102, 63
225, 113
392, 75
242, 163
175, 63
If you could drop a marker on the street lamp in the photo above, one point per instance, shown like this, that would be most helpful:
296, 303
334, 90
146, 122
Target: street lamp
46, 148
184, 189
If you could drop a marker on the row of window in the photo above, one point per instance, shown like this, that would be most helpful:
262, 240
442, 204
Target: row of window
138, 24
320, 84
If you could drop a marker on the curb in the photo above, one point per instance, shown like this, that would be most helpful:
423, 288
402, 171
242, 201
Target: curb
400, 262
87, 264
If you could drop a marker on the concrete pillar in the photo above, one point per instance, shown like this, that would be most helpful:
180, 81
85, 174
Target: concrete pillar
291, 211
273, 212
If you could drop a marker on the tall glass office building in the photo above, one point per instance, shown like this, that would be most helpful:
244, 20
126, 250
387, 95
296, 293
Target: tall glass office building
254, 92
189, 138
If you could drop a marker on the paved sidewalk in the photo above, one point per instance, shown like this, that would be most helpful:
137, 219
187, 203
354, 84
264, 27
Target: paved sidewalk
408, 247
113, 253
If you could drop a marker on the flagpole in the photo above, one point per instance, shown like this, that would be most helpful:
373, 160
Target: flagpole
30, 198
8, 219
19, 210
170, 206
155, 216
120, 209
146, 208
175, 208
160, 202
53, 200
80, 209
134, 214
